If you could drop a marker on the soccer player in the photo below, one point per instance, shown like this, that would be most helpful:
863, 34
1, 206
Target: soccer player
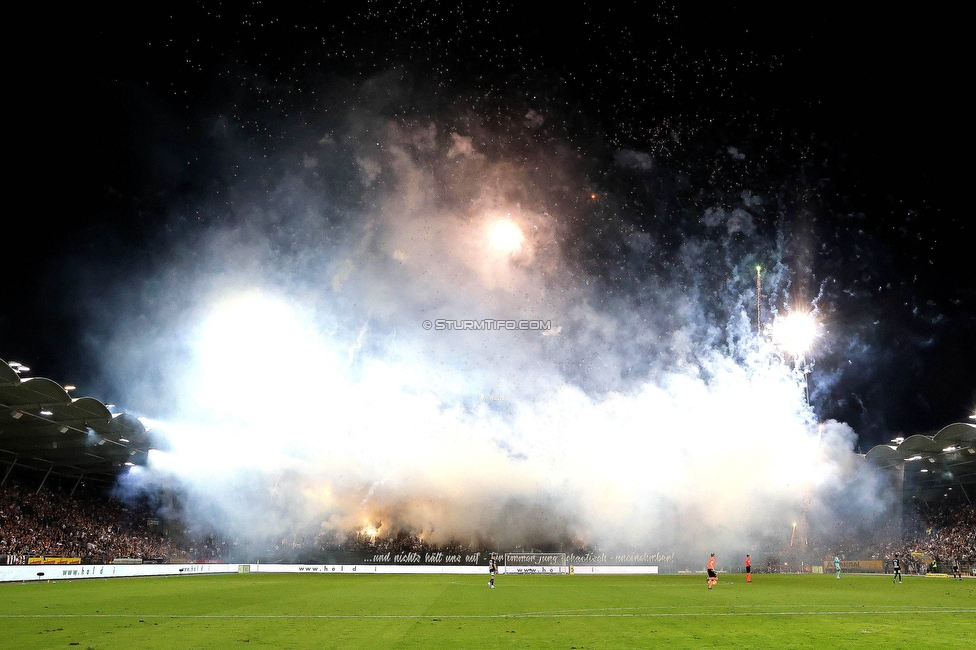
748, 569
955, 569
712, 578
492, 569
837, 566
896, 567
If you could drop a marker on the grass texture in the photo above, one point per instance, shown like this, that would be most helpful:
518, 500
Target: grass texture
447, 611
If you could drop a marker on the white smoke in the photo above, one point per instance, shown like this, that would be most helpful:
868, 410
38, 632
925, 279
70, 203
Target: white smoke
286, 363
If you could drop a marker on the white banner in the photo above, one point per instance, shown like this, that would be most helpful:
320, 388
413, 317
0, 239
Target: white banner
27, 572
24, 573
369, 568
616, 570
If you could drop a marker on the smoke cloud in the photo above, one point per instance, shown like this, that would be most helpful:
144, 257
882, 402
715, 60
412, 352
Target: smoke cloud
277, 343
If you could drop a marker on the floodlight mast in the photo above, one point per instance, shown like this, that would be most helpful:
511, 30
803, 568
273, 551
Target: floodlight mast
805, 371
759, 301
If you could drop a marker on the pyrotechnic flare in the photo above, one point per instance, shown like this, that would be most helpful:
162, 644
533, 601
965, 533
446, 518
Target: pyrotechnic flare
505, 237
795, 333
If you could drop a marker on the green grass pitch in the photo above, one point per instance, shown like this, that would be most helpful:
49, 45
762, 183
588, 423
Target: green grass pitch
450, 611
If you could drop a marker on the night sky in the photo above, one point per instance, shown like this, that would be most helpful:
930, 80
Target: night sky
851, 126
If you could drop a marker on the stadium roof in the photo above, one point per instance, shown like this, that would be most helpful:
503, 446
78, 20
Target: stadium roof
42, 427
933, 463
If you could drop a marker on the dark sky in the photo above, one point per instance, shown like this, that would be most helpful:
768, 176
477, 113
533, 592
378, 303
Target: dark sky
855, 122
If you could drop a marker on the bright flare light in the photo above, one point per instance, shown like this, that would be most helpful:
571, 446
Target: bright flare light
244, 337
505, 237
370, 531
795, 332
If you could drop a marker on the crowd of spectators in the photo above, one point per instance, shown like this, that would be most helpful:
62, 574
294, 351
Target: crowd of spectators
933, 536
45, 523
344, 548
98, 529
937, 535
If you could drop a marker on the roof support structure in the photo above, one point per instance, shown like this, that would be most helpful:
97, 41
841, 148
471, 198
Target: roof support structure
9, 469
80, 476
44, 480
964, 493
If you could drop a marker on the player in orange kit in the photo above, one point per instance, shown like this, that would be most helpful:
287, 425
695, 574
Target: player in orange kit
712, 578
748, 569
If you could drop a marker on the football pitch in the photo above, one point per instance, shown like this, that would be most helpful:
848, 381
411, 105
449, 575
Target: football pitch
454, 611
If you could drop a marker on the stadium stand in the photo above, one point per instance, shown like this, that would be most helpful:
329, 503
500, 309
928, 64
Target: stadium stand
63, 455
937, 534
43, 523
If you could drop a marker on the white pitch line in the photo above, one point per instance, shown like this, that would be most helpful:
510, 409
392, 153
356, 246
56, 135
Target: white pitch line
489, 616
701, 608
